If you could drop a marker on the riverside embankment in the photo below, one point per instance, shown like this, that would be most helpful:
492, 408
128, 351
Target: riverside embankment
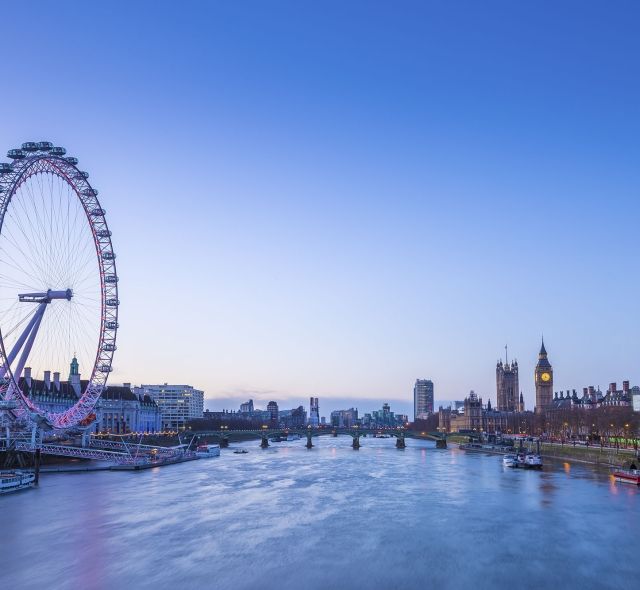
595, 455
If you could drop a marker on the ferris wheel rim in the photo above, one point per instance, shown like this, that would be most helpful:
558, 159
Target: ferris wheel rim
12, 177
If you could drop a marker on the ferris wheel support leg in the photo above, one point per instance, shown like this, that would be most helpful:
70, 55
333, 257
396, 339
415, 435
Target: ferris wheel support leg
29, 344
19, 343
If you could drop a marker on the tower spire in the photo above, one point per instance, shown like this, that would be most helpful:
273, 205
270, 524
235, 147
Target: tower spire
543, 351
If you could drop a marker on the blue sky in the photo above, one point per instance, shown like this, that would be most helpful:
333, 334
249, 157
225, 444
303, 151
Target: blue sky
335, 198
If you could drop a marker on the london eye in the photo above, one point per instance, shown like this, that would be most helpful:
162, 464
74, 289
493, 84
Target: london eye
58, 288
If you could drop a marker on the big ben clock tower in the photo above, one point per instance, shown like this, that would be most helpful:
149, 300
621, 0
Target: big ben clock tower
544, 381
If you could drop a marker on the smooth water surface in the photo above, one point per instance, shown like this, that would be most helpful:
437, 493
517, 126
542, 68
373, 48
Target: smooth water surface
327, 518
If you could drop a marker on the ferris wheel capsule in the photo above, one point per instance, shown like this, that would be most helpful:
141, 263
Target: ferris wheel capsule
97, 212
81, 176
57, 151
5, 168
90, 192
73, 161
44, 146
30, 146
17, 154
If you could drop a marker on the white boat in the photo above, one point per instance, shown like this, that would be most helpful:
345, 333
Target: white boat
533, 461
291, 437
510, 460
12, 481
207, 451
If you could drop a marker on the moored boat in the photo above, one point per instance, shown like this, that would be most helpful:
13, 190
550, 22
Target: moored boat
532, 461
15, 480
510, 461
207, 451
628, 476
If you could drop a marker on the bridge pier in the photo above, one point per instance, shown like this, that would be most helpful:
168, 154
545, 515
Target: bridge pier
441, 443
400, 443
309, 444
36, 464
264, 443
356, 443
224, 443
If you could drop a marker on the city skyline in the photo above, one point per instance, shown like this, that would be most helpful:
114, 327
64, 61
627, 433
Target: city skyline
343, 221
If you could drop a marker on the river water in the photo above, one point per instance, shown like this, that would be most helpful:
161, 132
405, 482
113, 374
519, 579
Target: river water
328, 518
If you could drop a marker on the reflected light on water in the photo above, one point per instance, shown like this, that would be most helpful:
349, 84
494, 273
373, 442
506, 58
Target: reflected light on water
613, 485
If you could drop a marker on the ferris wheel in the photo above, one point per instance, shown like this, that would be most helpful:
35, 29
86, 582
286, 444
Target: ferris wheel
58, 289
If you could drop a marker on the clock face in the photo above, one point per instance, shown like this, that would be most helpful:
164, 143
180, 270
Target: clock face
545, 377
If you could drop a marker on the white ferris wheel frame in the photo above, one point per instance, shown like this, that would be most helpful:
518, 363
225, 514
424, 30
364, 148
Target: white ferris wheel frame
43, 158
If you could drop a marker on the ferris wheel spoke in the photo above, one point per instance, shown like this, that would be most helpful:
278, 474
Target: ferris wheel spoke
35, 223
28, 245
19, 268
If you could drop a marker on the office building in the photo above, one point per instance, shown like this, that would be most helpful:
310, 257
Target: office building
177, 403
422, 399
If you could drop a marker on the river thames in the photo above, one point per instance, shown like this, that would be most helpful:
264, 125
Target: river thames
331, 517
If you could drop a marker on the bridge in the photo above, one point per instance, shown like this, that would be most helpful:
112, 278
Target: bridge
224, 435
131, 455
119, 454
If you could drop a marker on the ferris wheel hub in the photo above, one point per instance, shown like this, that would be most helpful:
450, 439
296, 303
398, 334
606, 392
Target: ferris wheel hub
45, 297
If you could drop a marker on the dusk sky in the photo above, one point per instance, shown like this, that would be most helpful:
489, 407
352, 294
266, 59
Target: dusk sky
336, 198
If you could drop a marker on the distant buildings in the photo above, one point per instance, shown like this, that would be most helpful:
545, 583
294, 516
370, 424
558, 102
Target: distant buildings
118, 410
474, 417
422, 399
177, 403
274, 415
251, 417
593, 398
295, 418
314, 412
635, 395
247, 407
344, 418
384, 418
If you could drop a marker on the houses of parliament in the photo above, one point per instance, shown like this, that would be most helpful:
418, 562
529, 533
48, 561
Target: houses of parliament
510, 401
508, 395
509, 414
